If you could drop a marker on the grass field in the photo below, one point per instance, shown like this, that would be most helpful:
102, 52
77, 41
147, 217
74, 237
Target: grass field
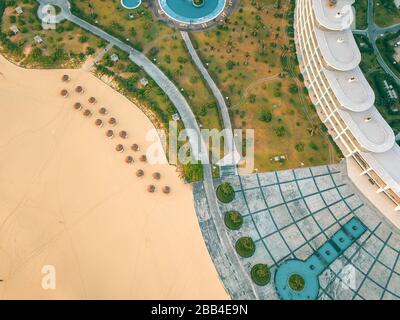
246, 57
386, 13
361, 7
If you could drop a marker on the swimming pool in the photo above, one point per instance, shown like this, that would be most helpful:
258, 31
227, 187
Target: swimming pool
310, 269
131, 4
186, 11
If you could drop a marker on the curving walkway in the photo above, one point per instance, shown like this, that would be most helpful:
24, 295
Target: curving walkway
223, 109
189, 121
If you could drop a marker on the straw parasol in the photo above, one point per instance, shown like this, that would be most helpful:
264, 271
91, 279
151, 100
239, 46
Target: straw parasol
140, 173
98, 123
103, 111
79, 89
65, 78
77, 106
123, 134
87, 113
135, 147
92, 100
112, 121
109, 133
166, 189
64, 93
151, 188
143, 158
156, 175
119, 148
129, 159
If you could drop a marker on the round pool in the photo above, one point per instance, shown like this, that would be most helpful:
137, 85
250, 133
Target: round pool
187, 11
131, 4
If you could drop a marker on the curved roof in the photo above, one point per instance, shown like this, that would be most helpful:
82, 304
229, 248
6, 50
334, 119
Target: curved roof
387, 166
339, 49
336, 17
351, 89
370, 130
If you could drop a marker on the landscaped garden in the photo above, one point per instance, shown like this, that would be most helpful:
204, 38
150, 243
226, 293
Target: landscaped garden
361, 7
386, 13
253, 61
245, 247
233, 220
296, 282
160, 43
65, 47
260, 274
225, 192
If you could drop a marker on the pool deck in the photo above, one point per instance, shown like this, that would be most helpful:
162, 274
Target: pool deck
290, 215
230, 7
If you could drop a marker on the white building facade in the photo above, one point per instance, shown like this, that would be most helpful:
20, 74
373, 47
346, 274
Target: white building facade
329, 61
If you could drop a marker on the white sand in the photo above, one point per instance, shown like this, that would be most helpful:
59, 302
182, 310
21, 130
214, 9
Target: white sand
68, 199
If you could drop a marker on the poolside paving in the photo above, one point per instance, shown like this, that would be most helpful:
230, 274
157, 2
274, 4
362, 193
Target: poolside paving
291, 213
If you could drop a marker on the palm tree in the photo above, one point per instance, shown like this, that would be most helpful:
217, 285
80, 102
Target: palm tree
119, 148
110, 133
92, 100
123, 134
79, 89
140, 173
143, 158
98, 123
103, 111
64, 93
77, 106
112, 121
87, 113
166, 189
65, 78
156, 175
135, 147
129, 159
151, 188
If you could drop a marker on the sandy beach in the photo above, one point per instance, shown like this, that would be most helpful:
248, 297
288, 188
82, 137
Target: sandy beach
68, 199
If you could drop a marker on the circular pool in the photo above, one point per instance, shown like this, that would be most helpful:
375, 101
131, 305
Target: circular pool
190, 11
131, 4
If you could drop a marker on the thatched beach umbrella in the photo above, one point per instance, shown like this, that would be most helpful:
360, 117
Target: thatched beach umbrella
129, 159
151, 188
87, 113
103, 111
98, 123
156, 175
109, 133
92, 100
119, 148
64, 93
143, 158
65, 78
77, 106
79, 89
140, 173
166, 189
112, 121
135, 147
123, 134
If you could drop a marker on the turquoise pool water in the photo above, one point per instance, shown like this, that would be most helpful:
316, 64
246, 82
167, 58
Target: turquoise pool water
316, 263
131, 4
184, 10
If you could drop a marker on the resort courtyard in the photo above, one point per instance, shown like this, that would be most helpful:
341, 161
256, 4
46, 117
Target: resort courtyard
289, 215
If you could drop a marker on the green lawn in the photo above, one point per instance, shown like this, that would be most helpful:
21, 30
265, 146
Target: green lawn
386, 13
361, 7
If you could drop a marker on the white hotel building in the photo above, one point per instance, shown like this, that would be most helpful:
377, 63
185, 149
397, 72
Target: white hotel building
329, 61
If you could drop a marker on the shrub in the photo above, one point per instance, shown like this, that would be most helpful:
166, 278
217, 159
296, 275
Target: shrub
233, 220
245, 247
260, 274
296, 282
225, 192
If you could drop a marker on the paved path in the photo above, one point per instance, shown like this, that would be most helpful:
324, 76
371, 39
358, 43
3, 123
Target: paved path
187, 117
223, 109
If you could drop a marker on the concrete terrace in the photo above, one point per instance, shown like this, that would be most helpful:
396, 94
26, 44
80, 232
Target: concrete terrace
290, 214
